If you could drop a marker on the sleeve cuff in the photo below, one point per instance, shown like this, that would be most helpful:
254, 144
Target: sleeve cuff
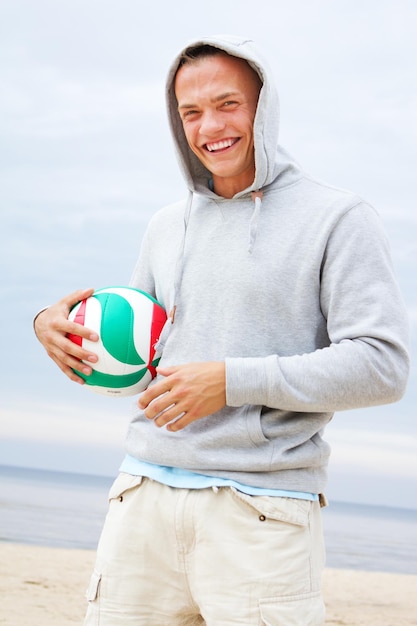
246, 381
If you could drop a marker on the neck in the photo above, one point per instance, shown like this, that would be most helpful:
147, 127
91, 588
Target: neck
229, 187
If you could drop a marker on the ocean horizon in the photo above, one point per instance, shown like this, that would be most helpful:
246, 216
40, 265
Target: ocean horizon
62, 509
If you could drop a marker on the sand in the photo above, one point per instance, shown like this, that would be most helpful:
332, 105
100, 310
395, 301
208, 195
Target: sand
46, 586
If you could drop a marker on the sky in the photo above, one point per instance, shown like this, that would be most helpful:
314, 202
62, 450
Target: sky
86, 158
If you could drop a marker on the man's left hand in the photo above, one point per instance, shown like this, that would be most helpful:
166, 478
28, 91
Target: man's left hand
187, 393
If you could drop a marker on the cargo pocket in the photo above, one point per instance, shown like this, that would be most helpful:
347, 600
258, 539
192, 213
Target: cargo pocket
93, 587
306, 609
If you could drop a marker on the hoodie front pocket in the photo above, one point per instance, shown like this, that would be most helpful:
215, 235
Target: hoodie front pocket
254, 425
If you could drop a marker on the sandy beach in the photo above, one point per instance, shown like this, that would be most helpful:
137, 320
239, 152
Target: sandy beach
45, 587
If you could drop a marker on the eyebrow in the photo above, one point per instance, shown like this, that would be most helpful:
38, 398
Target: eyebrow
219, 98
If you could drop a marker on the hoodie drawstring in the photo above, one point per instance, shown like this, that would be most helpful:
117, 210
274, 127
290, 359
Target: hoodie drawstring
179, 270
257, 197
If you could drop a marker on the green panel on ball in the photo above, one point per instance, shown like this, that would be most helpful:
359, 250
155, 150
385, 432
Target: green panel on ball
119, 334
98, 379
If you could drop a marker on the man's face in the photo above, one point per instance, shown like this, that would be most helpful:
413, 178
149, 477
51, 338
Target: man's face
217, 98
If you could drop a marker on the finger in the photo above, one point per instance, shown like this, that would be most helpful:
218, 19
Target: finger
77, 296
70, 327
183, 420
152, 393
159, 406
71, 366
73, 328
71, 356
80, 366
69, 372
171, 415
60, 324
72, 375
65, 347
167, 371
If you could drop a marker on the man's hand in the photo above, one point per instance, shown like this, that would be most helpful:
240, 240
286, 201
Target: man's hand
51, 328
187, 393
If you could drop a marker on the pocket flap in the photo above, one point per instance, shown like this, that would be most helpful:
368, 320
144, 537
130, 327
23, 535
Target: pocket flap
307, 609
281, 509
93, 587
123, 483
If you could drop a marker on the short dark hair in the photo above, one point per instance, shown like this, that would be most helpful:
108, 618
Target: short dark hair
205, 51
200, 51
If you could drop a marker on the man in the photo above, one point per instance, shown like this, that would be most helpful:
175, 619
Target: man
283, 309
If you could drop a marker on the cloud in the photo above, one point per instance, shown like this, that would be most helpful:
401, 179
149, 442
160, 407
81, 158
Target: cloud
372, 466
375, 453
50, 423
41, 102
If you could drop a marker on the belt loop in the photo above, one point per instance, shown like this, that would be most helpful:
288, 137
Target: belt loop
323, 500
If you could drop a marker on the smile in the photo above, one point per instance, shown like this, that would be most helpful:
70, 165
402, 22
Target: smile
221, 145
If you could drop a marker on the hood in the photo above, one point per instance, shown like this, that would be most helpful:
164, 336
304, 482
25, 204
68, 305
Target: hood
270, 161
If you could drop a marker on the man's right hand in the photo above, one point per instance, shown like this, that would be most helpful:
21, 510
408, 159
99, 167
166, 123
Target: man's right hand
52, 327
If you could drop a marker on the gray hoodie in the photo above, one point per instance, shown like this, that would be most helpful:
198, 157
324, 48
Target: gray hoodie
294, 291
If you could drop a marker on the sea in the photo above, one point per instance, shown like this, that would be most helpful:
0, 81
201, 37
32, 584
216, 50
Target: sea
60, 509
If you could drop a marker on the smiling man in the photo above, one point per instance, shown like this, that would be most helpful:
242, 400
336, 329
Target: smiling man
217, 102
283, 309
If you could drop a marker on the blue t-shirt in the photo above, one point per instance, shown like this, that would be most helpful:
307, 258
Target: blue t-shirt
181, 478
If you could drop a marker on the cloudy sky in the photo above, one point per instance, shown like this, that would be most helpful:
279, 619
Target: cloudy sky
86, 159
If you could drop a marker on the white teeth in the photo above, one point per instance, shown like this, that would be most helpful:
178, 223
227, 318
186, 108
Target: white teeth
219, 145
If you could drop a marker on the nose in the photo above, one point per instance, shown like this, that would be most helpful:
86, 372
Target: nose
211, 123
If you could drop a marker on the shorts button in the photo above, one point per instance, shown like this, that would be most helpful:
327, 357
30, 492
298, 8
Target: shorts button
262, 518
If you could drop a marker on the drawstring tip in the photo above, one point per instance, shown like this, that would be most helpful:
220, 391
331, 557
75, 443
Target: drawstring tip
171, 316
257, 199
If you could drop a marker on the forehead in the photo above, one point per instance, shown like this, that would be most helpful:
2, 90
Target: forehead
208, 75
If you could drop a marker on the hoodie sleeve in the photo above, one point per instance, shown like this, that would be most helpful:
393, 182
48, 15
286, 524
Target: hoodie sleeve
367, 361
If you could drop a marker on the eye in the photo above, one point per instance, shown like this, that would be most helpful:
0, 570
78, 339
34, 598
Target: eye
228, 104
189, 114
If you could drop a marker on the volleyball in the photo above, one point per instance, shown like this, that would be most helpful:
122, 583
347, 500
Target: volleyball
128, 322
